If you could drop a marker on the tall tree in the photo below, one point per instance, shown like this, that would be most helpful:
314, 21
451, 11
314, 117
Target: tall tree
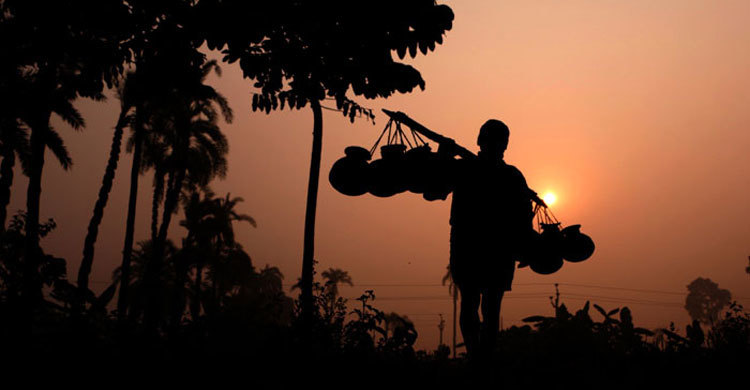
49, 98
198, 150
150, 91
705, 300
14, 141
303, 52
109, 175
64, 50
134, 96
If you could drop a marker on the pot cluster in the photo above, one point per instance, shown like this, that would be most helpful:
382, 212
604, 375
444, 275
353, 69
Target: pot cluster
417, 170
544, 252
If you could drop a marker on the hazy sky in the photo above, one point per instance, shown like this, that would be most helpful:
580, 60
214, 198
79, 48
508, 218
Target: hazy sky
636, 113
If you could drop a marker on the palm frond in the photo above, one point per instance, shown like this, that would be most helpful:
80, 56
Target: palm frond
56, 145
69, 114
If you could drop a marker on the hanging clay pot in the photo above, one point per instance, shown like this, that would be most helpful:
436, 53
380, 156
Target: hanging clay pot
350, 175
543, 250
387, 175
576, 246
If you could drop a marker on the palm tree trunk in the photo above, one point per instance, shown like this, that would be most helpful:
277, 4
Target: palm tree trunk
154, 267
178, 296
455, 300
101, 203
195, 306
170, 204
122, 300
158, 195
312, 199
6, 181
32, 284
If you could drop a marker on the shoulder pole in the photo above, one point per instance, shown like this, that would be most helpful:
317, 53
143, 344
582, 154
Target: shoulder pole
399, 116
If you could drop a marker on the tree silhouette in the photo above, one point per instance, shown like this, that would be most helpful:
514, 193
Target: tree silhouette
705, 300
399, 332
198, 148
453, 291
59, 51
210, 241
106, 187
132, 96
14, 140
50, 97
138, 299
303, 52
141, 94
334, 276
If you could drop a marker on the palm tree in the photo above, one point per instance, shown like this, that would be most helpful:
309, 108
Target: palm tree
334, 276
269, 280
198, 149
452, 290
14, 140
154, 152
137, 93
135, 281
210, 225
197, 245
126, 104
197, 146
45, 94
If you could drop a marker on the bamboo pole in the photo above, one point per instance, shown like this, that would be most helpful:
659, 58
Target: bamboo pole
401, 117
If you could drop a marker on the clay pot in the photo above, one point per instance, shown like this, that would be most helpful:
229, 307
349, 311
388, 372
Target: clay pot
387, 175
576, 246
543, 251
350, 175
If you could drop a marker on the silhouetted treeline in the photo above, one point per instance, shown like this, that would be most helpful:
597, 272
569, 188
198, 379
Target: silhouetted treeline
202, 305
296, 53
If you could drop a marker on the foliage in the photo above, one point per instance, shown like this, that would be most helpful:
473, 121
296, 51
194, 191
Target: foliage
732, 333
52, 270
302, 51
705, 300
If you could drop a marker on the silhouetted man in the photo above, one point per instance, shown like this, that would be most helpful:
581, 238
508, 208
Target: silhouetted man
490, 215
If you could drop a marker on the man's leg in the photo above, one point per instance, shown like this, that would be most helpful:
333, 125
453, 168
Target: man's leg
469, 319
491, 299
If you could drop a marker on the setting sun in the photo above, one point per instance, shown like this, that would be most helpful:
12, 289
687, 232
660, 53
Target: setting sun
549, 198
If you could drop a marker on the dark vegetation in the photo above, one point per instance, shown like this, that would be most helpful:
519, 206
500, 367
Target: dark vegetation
201, 308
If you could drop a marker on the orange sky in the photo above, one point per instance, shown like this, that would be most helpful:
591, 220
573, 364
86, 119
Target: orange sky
635, 113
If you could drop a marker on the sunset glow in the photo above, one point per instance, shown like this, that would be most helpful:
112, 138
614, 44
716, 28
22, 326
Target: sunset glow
549, 198
627, 118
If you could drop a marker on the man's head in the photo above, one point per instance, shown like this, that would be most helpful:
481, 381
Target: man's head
493, 137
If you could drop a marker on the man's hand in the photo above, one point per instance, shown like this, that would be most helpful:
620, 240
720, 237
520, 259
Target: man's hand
447, 148
535, 197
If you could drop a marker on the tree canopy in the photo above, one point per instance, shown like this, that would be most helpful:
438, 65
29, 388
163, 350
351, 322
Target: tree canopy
300, 51
705, 300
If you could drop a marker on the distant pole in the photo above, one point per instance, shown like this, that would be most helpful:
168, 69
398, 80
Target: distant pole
556, 302
441, 326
